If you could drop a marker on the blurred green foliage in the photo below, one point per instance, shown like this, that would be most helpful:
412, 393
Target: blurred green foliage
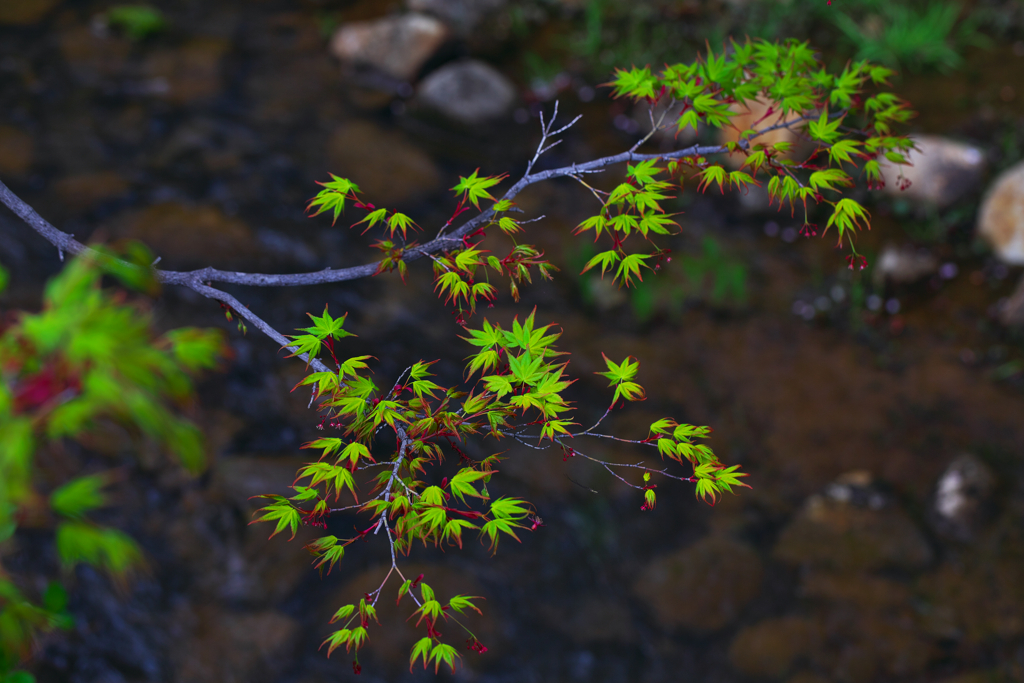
912, 35
711, 276
715, 275
88, 355
138, 22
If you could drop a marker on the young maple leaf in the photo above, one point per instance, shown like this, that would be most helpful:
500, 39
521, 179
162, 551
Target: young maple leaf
326, 325
475, 188
333, 196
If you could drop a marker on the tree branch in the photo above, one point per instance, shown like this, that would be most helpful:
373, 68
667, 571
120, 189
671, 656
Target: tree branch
199, 280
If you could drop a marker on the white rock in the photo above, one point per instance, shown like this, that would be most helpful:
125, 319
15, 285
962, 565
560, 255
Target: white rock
942, 171
467, 91
1001, 219
904, 264
398, 46
961, 496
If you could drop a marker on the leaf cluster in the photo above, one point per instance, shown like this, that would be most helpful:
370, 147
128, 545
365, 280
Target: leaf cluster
397, 441
515, 384
87, 356
838, 113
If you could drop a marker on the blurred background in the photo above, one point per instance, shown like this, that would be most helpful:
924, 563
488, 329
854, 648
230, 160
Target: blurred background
880, 413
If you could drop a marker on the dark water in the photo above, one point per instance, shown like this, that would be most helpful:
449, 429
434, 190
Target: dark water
214, 132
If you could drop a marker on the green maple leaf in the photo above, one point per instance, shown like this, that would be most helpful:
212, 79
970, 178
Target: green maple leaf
620, 372
635, 83
475, 188
333, 196
606, 259
630, 268
326, 325
824, 130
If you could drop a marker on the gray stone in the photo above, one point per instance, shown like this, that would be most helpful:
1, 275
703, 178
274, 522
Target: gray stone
1001, 218
943, 171
242, 477
852, 526
703, 587
467, 91
388, 167
902, 265
244, 647
399, 46
462, 16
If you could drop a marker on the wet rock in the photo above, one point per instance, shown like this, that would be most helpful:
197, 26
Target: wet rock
943, 171
979, 676
25, 12
592, 620
852, 527
290, 74
391, 641
217, 647
876, 646
808, 677
398, 46
85, 191
262, 571
128, 126
186, 74
963, 496
468, 91
747, 117
903, 265
703, 587
385, 164
287, 248
119, 632
93, 58
190, 236
604, 293
863, 592
75, 144
239, 478
228, 558
220, 427
981, 601
16, 151
464, 17
1001, 217
770, 648
866, 627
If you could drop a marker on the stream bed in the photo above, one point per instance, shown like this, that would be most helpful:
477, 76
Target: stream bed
861, 407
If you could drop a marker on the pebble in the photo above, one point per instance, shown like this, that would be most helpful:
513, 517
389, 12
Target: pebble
903, 265
703, 587
398, 46
468, 91
943, 171
962, 495
852, 526
1001, 218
